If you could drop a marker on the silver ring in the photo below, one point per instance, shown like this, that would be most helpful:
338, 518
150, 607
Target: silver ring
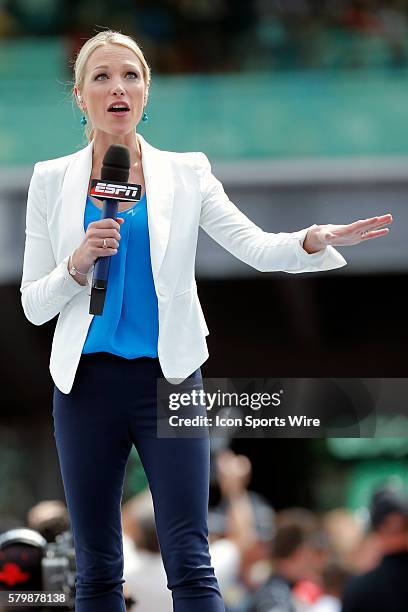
105, 246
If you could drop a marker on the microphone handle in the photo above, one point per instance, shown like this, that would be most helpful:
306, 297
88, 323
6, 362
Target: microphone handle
101, 268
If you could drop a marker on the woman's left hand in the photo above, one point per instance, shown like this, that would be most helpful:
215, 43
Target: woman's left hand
347, 235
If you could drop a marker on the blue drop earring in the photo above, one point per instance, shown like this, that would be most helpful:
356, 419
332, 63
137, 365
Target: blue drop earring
83, 120
145, 116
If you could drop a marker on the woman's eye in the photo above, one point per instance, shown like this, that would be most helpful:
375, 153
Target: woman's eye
104, 74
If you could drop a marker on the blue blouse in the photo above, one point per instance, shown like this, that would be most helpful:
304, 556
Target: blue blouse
129, 325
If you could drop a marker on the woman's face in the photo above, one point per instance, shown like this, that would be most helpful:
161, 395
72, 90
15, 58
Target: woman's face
113, 75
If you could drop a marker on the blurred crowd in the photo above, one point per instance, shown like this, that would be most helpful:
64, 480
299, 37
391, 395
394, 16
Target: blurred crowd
180, 36
291, 560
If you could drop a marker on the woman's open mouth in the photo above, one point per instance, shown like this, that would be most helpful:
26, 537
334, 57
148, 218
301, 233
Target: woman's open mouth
119, 110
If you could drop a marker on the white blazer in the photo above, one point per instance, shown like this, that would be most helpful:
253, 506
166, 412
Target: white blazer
182, 195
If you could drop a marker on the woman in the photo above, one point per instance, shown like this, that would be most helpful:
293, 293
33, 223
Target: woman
105, 368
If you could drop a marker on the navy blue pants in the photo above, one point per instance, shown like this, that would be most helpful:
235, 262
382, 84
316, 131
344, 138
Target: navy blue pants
113, 405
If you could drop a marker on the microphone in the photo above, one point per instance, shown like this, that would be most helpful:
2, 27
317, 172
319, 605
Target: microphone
112, 187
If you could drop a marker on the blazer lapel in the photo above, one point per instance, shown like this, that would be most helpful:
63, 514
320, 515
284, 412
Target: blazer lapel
159, 195
73, 196
159, 183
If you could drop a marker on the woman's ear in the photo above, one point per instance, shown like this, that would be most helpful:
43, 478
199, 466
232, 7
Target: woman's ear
78, 97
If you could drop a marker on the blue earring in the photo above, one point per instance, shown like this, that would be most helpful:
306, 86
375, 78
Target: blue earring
145, 116
83, 120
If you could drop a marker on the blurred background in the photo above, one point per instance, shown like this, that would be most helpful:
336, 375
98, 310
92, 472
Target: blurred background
301, 107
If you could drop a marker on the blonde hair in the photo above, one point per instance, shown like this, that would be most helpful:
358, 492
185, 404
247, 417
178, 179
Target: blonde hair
103, 38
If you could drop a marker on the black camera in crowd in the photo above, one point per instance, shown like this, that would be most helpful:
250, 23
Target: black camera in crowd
29, 563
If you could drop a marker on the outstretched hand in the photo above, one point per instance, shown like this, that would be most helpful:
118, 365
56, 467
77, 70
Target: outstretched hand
352, 233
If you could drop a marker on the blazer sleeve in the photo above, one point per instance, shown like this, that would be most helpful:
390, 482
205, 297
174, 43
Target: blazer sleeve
45, 286
264, 251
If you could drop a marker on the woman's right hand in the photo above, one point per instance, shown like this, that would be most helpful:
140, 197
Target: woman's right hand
92, 246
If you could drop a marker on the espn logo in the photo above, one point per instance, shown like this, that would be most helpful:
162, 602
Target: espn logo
113, 190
